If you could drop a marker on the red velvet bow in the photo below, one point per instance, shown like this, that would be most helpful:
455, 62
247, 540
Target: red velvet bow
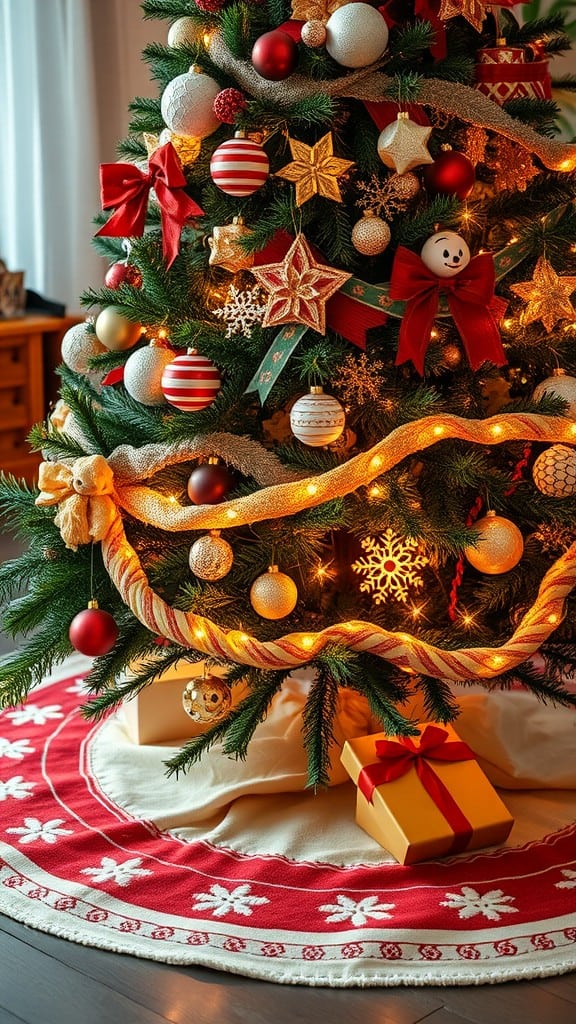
475, 309
125, 188
396, 757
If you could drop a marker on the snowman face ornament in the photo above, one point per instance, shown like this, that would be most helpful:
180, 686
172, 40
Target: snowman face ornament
445, 254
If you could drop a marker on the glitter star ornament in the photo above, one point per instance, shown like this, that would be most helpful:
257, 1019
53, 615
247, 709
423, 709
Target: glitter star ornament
315, 170
298, 288
390, 567
472, 10
315, 10
225, 248
402, 144
547, 295
186, 146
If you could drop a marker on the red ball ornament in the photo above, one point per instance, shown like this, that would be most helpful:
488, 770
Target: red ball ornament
122, 273
451, 174
239, 167
209, 483
93, 632
228, 104
275, 55
190, 382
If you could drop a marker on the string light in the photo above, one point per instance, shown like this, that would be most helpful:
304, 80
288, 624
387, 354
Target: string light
496, 430
231, 513
312, 489
376, 462
375, 491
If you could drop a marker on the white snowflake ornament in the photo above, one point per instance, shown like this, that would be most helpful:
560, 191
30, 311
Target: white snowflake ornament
390, 566
241, 310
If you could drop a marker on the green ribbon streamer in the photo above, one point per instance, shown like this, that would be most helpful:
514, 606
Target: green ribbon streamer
275, 359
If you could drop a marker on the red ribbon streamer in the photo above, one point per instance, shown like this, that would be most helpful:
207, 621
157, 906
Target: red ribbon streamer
125, 188
397, 757
471, 300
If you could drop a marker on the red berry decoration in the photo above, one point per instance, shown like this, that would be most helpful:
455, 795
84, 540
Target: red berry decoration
123, 273
239, 167
209, 483
275, 55
451, 174
93, 632
228, 104
190, 382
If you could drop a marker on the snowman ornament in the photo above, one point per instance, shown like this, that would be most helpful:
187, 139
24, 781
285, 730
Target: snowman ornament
445, 254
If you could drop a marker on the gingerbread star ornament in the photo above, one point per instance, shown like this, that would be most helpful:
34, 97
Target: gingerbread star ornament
298, 288
315, 170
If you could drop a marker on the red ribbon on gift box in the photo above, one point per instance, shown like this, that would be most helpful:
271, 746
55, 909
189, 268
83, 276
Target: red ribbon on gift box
397, 757
125, 188
471, 300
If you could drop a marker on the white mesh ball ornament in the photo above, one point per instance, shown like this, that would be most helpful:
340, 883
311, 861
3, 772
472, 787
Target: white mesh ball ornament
80, 344
445, 254
317, 419
187, 105
554, 471
143, 374
211, 557
559, 385
356, 35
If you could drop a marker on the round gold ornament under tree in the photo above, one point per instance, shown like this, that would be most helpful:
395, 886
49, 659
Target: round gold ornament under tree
274, 594
371, 234
115, 331
211, 557
500, 545
554, 471
206, 700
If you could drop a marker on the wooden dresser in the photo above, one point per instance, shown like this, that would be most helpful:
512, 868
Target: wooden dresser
29, 353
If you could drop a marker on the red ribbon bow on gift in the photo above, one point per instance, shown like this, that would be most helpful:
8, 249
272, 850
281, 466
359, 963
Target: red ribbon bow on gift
125, 188
396, 757
471, 300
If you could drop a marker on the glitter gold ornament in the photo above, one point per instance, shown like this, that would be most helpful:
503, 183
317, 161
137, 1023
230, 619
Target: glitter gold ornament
500, 545
548, 296
298, 287
370, 235
554, 471
206, 700
315, 170
211, 557
559, 385
185, 32
315, 10
313, 33
402, 144
404, 186
274, 594
225, 248
473, 10
187, 147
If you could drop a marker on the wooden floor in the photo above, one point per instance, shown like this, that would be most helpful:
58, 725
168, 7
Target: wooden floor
46, 980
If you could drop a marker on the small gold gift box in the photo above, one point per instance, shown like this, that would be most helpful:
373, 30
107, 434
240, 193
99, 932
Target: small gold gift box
424, 796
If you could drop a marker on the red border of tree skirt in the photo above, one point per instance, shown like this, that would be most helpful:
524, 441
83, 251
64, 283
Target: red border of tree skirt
74, 864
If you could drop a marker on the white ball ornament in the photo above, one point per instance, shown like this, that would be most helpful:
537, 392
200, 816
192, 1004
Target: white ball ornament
211, 557
143, 374
317, 419
554, 471
500, 545
274, 594
445, 254
559, 385
79, 345
187, 105
356, 35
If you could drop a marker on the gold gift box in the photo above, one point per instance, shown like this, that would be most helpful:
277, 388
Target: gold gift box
404, 819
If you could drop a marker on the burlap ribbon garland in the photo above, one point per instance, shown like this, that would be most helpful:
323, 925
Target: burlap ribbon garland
370, 84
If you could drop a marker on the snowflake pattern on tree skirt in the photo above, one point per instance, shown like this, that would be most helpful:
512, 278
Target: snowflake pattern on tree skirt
390, 566
241, 310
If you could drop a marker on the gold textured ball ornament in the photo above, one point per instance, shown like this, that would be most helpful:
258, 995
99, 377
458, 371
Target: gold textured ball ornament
554, 471
274, 594
185, 32
206, 700
115, 331
211, 557
371, 234
313, 33
500, 545
404, 186
559, 385
317, 419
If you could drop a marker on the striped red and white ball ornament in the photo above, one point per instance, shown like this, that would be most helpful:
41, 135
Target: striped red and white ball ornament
317, 419
239, 166
191, 382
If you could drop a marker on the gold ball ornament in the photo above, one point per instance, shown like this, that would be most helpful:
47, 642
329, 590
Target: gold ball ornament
554, 471
317, 419
206, 700
274, 594
402, 144
371, 235
559, 385
313, 33
185, 32
451, 355
211, 557
115, 331
500, 545
405, 186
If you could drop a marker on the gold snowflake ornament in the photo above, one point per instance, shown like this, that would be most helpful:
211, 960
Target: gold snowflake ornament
315, 170
390, 566
547, 295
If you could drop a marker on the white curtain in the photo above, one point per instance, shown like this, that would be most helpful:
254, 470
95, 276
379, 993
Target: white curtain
49, 146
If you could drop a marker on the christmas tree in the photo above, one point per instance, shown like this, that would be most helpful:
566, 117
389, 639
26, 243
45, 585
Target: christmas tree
332, 369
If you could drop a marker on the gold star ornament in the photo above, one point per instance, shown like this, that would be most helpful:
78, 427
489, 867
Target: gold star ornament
298, 288
548, 296
315, 10
186, 146
226, 249
473, 10
402, 144
315, 170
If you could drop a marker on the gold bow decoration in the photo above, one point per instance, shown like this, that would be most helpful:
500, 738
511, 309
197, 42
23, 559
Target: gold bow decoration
83, 492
